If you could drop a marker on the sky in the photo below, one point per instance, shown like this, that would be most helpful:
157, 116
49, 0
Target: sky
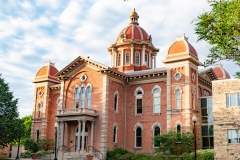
35, 31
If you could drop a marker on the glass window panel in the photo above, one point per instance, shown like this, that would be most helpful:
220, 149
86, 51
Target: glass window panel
115, 102
119, 59
157, 109
137, 58
156, 90
83, 96
139, 102
227, 99
238, 99
139, 110
233, 100
204, 111
156, 131
178, 129
204, 119
205, 141
139, 142
211, 142
127, 58
203, 103
178, 104
204, 130
211, 130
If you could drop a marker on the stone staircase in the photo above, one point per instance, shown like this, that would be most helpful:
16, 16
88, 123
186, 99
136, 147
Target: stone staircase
67, 156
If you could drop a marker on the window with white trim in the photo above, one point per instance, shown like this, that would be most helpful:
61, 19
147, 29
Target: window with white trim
115, 134
119, 60
39, 110
178, 98
138, 137
233, 136
157, 131
76, 97
156, 101
82, 96
233, 99
116, 101
89, 92
146, 59
139, 102
179, 132
127, 60
137, 58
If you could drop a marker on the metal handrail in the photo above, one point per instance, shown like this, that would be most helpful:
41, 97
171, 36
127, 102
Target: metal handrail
96, 152
62, 146
69, 149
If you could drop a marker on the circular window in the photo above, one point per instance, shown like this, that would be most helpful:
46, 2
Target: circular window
83, 77
40, 93
177, 75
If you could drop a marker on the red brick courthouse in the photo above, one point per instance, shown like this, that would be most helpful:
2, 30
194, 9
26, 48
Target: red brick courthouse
126, 104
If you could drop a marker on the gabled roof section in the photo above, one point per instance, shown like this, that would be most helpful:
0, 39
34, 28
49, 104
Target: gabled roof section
77, 62
209, 72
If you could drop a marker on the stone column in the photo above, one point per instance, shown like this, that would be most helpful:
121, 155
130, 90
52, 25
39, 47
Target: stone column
150, 59
83, 135
132, 53
122, 58
143, 55
92, 130
115, 59
58, 131
67, 134
154, 61
79, 131
62, 131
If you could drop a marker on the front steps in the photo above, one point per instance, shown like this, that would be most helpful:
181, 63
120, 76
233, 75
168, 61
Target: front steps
67, 156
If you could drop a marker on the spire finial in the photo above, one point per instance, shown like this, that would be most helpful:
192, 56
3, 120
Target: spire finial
134, 17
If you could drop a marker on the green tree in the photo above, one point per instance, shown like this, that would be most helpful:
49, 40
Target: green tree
8, 115
174, 143
220, 27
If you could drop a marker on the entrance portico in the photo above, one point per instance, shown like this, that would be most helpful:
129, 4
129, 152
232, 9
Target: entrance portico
75, 129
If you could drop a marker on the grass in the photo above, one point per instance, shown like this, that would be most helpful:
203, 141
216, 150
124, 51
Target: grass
4, 158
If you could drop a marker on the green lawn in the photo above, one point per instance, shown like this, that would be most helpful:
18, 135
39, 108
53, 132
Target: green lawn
4, 158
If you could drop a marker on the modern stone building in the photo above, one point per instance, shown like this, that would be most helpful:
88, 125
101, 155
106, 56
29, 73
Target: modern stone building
124, 105
226, 111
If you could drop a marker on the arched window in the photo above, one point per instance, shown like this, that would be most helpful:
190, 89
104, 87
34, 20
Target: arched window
89, 91
37, 134
156, 133
82, 96
146, 59
137, 58
179, 131
139, 95
115, 134
138, 137
116, 101
39, 110
156, 100
119, 60
76, 97
127, 60
178, 98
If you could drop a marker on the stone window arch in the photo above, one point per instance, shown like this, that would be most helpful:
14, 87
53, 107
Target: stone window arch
138, 100
156, 91
178, 127
138, 129
116, 97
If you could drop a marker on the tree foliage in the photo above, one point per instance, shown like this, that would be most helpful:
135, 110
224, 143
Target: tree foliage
220, 27
9, 122
174, 143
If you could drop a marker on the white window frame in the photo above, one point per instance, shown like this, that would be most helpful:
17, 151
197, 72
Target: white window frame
76, 100
82, 96
116, 94
127, 56
176, 124
138, 125
237, 138
137, 56
229, 99
178, 98
138, 96
89, 98
156, 95
156, 124
39, 109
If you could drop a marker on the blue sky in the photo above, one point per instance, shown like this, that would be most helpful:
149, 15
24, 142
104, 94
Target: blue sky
34, 32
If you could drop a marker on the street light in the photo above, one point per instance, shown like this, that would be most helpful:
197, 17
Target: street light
55, 126
194, 119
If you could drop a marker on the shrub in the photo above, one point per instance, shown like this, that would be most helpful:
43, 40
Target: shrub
31, 144
50, 151
26, 154
41, 153
118, 151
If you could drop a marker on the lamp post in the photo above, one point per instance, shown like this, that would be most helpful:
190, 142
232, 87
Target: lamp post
194, 119
55, 126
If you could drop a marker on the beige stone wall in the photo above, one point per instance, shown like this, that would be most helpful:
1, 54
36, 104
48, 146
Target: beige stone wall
224, 119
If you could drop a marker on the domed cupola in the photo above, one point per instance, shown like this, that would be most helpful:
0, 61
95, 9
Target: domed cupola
182, 50
220, 72
133, 49
46, 73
